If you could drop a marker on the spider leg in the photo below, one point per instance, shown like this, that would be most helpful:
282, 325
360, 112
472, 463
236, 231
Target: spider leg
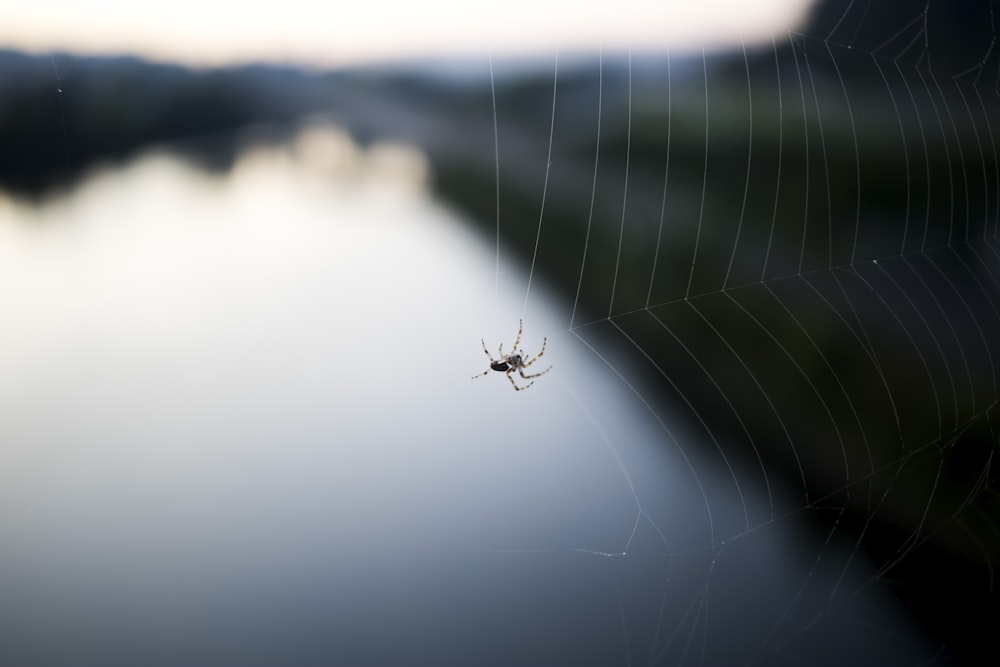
533, 375
492, 360
537, 356
510, 376
520, 330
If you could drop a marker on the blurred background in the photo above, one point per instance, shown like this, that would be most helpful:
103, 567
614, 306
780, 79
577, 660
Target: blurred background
249, 260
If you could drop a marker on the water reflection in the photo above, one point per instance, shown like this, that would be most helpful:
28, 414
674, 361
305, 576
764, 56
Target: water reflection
238, 427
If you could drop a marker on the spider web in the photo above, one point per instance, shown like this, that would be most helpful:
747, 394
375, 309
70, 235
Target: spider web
794, 249
769, 280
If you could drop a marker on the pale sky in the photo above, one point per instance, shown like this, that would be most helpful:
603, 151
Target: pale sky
352, 31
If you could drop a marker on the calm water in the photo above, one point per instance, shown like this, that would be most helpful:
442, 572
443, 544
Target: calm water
237, 427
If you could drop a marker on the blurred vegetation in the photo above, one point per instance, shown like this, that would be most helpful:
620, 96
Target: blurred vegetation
60, 114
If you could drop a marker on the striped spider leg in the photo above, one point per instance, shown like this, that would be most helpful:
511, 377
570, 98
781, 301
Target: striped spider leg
515, 361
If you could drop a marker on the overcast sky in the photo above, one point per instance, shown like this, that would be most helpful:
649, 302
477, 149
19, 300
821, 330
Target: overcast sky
332, 33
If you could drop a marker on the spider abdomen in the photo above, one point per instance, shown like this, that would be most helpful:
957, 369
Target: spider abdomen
499, 366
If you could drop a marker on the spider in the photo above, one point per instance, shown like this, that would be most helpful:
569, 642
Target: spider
515, 361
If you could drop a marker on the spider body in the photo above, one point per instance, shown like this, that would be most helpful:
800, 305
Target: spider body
500, 365
515, 361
